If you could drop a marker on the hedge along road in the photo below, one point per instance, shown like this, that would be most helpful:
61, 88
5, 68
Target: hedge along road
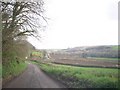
33, 77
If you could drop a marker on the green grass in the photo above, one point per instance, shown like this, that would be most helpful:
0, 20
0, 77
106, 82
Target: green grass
82, 77
116, 47
0, 71
12, 64
13, 69
97, 58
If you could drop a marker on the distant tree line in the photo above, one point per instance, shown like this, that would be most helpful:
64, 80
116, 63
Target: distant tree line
102, 51
112, 54
95, 51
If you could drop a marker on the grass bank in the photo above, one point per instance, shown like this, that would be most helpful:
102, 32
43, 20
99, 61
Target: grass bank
12, 69
97, 58
82, 77
0, 71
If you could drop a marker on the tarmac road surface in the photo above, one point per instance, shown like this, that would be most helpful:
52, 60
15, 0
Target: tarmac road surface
33, 77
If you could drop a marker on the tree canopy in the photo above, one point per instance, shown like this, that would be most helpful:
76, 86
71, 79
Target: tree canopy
21, 18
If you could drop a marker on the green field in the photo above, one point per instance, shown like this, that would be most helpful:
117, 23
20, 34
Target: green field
97, 58
116, 47
82, 77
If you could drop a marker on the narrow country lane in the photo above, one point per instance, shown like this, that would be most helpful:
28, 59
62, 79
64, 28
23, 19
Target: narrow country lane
33, 77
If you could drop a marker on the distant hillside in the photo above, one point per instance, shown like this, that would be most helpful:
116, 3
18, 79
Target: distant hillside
94, 51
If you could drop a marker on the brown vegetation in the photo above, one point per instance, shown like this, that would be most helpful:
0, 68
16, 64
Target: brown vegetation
68, 59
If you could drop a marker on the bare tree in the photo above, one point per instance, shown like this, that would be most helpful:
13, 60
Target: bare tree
21, 18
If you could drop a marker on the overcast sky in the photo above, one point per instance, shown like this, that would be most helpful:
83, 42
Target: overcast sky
76, 23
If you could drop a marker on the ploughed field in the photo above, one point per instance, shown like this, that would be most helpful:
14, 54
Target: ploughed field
78, 61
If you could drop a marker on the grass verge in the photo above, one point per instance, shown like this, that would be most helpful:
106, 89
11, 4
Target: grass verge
82, 77
13, 69
97, 58
0, 71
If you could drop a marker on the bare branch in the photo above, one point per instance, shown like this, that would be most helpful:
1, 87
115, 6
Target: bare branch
22, 18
